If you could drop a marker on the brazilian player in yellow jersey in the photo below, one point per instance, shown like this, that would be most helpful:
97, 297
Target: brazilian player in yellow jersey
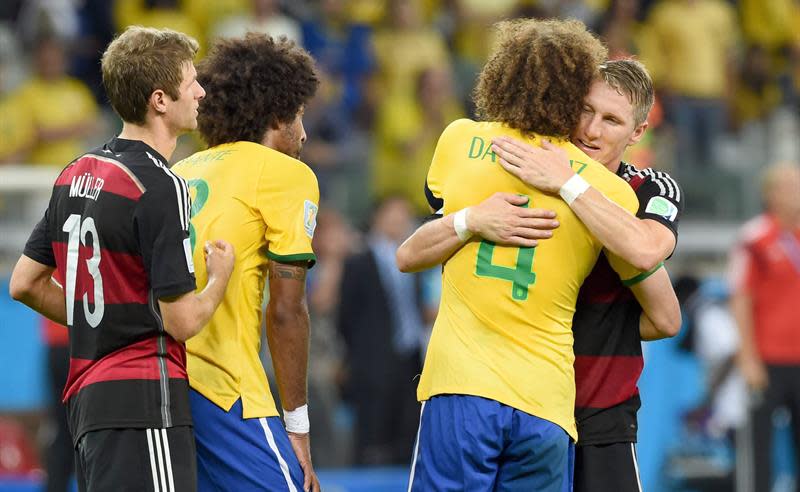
250, 188
498, 385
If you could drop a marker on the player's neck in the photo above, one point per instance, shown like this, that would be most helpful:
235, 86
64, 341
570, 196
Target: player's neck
613, 164
159, 139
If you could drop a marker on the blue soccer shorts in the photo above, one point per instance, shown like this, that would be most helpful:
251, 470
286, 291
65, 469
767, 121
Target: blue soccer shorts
242, 454
471, 443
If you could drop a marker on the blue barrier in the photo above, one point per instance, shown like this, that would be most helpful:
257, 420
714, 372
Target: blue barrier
22, 379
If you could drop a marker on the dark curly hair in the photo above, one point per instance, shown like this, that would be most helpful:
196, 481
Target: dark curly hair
252, 84
538, 77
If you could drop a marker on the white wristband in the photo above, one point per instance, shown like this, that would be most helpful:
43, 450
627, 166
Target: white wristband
573, 188
460, 224
297, 420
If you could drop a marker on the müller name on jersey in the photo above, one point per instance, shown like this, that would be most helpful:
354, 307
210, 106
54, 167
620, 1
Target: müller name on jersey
86, 186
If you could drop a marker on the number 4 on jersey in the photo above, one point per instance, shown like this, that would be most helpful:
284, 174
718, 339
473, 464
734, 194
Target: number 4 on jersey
521, 276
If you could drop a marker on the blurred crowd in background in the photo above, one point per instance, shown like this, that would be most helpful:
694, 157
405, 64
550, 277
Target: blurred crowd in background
394, 73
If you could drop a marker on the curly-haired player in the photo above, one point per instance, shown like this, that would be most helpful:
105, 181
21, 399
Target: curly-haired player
498, 386
250, 185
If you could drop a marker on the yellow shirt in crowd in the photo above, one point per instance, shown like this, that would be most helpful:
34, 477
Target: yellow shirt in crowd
265, 204
58, 105
504, 329
17, 130
692, 44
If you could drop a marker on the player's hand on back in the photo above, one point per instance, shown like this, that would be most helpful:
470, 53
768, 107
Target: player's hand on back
301, 444
502, 220
220, 257
545, 168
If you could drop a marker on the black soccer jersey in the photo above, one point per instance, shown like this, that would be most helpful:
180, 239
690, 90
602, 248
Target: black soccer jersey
608, 347
116, 230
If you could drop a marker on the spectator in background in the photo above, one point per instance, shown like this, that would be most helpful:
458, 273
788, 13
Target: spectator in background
771, 25
62, 108
17, 131
619, 26
340, 149
405, 47
342, 48
406, 136
381, 321
264, 16
712, 335
171, 14
765, 275
689, 52
96, 30
334, 241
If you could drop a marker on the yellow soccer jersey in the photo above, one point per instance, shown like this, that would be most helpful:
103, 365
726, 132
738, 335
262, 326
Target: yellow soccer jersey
504, 329
265, 204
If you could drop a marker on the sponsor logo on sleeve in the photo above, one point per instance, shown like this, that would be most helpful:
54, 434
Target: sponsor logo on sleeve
310, 210
661, 206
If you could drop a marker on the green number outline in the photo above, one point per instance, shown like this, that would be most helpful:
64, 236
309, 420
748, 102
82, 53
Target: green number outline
521, 276
200, 198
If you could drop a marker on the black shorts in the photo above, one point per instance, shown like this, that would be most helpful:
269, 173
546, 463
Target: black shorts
607, 468
137, 460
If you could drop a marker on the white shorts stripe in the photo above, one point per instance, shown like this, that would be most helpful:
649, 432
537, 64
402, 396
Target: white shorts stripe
152, 460
281, 461
168, 460
636, 467
160, 460
416, 449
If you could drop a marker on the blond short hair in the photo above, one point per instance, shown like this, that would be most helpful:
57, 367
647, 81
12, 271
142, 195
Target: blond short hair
630, 78
140, 61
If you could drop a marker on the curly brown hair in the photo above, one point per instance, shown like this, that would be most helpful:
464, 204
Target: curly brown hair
538, 77
252, 84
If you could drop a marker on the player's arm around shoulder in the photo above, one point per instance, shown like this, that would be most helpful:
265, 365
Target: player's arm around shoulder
501, 219
605, 204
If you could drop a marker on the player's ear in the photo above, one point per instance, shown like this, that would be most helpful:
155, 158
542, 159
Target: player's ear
638, 133
158, 101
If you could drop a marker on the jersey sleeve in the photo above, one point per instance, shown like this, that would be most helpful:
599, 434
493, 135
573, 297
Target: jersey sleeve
162, 224
40, 246
438, 171
290, 212
660, 199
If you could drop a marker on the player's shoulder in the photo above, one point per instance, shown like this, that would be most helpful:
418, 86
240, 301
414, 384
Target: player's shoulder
279, 167
756, 229
658, 183
458, 128
596, 173
460, 124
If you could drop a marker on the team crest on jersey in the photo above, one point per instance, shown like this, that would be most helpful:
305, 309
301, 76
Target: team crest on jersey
661, 206
310, 217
